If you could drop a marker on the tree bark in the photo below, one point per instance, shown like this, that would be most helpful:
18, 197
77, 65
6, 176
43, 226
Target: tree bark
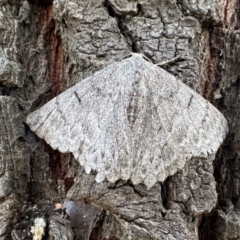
47, 46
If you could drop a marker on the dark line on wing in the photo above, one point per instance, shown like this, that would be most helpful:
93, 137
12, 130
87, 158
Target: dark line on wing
190, 100
78, 98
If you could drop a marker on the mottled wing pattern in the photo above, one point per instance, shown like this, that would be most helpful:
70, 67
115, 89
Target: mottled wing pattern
176, 125
192, 124
90, 120
154, 156
131, 120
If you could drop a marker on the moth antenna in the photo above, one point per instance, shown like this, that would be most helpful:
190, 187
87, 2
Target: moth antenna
131, 54
146, 58
125, 57
170, 60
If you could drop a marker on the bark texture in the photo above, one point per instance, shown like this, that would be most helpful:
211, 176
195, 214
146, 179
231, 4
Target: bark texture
47, 46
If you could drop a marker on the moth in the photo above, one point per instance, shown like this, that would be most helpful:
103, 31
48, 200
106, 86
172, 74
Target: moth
132, 120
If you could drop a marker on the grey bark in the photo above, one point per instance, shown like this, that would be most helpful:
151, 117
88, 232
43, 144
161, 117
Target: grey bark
45, 47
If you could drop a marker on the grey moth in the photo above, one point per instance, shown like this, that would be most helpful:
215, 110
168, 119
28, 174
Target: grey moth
132, 120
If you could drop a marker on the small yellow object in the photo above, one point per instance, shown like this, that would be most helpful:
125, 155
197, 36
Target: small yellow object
38, 229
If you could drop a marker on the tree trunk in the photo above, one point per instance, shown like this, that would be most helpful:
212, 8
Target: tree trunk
47, 46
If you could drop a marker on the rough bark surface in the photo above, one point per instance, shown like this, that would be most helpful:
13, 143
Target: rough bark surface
47, 46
